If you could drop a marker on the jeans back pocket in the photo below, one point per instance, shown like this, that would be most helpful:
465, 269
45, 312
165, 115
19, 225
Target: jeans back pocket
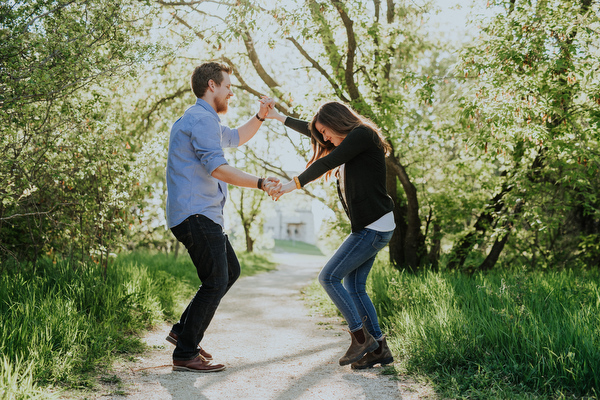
381, 239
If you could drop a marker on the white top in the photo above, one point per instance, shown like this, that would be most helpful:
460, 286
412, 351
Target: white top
383, 224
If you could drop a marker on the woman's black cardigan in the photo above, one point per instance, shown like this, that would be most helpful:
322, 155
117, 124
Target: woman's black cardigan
365, 184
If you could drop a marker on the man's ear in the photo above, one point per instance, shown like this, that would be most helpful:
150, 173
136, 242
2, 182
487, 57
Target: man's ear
211, 85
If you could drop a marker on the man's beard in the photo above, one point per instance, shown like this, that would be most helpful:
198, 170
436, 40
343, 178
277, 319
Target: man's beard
221, 105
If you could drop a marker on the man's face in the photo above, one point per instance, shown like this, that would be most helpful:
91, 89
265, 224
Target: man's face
222, 94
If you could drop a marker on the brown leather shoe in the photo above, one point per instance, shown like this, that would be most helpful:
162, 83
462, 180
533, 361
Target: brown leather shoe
382, 355
198, 364
172, 338
358, 348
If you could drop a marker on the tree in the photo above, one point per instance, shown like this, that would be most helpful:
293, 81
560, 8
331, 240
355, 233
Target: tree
64, 170
360, 52
535, 111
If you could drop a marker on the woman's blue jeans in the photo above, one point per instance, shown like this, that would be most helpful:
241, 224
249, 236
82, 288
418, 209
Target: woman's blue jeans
217, 267
352, 262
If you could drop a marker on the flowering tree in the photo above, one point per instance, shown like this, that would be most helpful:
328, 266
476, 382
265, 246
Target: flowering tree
304, 52
535, 114
65, 181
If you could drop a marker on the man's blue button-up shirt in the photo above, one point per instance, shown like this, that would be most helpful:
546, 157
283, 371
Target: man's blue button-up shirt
195, 151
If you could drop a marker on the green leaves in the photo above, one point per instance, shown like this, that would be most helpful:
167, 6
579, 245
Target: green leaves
63, 184
533, 107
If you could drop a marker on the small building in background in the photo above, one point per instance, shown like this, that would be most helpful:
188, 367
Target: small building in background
292, 221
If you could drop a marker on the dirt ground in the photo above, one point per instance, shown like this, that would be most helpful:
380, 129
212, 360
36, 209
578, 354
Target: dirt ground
274, 349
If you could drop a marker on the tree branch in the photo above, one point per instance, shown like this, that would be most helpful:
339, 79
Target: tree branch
184, 23
391, 12
243, 85
47, 13
377, 5
318, 67
351, 51
253, 56
178, 93
326, 35
192, 3
36, 213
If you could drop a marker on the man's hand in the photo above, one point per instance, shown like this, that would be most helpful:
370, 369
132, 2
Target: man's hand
272, 111
271, 185
266, 104
288, 187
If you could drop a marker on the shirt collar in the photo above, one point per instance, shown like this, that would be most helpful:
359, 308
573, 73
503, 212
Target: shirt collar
204, 104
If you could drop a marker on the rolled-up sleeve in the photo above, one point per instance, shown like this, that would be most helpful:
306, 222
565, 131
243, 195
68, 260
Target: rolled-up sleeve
229, 137
206, 141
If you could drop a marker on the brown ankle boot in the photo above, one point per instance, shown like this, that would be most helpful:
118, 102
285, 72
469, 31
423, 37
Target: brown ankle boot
362, 343
382, 356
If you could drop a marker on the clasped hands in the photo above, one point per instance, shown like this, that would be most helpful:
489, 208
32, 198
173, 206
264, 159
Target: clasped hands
276, 189
271, 185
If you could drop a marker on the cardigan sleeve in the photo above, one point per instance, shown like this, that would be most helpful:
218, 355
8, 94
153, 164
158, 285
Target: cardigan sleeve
357, 141
298, 125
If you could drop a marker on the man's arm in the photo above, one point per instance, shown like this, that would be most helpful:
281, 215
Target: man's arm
236, 177
249, 129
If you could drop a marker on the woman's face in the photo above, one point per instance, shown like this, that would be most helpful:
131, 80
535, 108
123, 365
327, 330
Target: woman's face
328, 134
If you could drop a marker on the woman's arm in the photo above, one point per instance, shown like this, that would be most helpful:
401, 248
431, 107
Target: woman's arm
296, 124
357, 141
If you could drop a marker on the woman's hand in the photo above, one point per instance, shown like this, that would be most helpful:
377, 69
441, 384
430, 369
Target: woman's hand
271, 185
286, 188
272, 112
266, 104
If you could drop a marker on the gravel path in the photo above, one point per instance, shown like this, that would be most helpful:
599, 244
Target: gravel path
272, 347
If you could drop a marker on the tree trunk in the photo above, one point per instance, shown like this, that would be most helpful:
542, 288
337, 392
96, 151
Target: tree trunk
396, 244
461, 250
249, 240
492, 257
436, 246
414, 241
176, 248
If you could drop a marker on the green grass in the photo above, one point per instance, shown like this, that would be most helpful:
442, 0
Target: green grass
500, 335
253, 263
62, 324
319, 301
16, 382
290, 246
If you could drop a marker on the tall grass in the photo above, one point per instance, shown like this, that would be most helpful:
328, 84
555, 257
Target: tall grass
59, 322
16, 382
69, 320
498, 335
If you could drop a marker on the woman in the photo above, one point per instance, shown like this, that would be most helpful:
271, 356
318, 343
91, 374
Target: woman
351, 146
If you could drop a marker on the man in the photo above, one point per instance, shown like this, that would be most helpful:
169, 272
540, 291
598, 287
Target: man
197, 178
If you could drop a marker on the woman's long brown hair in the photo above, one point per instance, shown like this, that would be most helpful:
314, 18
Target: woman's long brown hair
341, 120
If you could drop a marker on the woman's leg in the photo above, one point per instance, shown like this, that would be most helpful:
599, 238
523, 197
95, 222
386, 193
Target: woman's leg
357, 249
355, 283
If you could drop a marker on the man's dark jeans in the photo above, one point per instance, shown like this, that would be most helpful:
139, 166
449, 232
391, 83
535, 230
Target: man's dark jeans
218, 268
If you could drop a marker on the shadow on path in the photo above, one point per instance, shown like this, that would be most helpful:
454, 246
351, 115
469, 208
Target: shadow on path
272, 347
